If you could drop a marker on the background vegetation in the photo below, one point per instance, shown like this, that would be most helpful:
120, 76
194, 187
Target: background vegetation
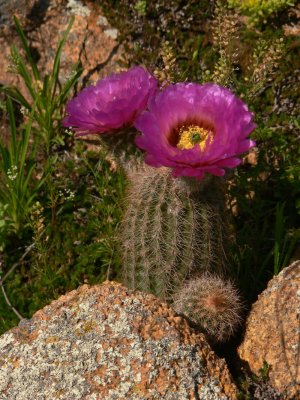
61, 200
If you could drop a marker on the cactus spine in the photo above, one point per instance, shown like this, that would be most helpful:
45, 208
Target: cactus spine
212, 303
172, 230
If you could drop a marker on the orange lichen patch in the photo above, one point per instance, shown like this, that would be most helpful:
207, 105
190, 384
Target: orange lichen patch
42, 316
124, 346
139, 348
163, 381
152, 329
16, 363
272, 332
140, 388
143, 387
105, 345
101, 371
118, 302
51, 339
23, 335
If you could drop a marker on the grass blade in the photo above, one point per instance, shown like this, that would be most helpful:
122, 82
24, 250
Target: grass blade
279, 227
25, 141
68, 85
16, 95
23, 71
13, 130
56, 64
26, 48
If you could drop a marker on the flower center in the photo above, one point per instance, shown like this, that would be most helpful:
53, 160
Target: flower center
191, 135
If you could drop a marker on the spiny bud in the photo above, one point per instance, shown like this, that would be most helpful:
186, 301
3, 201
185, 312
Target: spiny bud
212, 303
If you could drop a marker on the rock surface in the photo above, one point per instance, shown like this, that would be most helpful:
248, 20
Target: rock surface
91, 40
21, 8
107, 342
273, 332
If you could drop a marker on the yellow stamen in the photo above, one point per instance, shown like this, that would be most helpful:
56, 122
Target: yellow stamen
191, 135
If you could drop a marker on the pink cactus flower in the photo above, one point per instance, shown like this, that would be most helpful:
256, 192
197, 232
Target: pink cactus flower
195, 129
112, 103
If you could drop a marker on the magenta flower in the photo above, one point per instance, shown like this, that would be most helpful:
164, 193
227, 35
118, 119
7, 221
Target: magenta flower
112, 103
195, 129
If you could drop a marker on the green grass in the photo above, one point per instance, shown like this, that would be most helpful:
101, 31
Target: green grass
60, 203
76, 246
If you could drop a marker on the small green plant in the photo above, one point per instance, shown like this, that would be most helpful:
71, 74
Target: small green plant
46, 93
263, 66
260, 10
141, 7
57, 214
3, 225
18, 182
284, 241
22, 177
264, 371
257, 386
225, 30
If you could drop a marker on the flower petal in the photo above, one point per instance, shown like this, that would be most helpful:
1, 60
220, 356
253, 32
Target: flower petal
186, 104
112, 103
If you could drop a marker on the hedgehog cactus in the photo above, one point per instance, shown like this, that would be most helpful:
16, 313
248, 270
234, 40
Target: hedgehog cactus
172, 229
212, 303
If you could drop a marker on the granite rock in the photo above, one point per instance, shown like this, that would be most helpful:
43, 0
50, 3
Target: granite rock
273, 332
44, 22
108, 342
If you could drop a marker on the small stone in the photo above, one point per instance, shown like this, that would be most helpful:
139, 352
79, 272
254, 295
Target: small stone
111, 33
102, 21
88, 42
77, 8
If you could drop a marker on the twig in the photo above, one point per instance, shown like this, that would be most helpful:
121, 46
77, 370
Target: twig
28, 249
108, 271
9, 303
109, 265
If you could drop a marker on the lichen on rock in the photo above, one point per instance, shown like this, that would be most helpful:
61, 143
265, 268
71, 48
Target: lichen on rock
107, 342
272, 332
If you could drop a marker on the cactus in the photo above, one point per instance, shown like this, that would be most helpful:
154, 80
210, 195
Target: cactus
172, 230
212, 303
